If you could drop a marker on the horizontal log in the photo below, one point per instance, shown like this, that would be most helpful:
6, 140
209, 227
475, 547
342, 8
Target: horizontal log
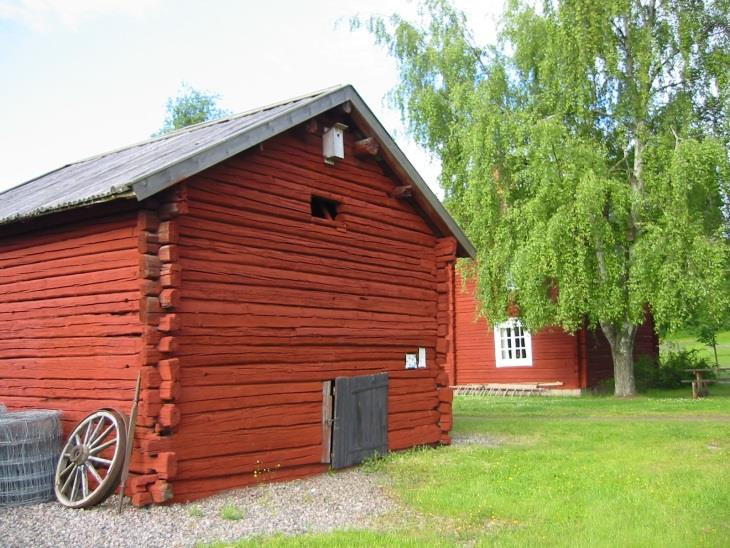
147, 221
413, 419
171, 210
110, 302
193, 489
168, 345
224, 421
278, 386
188, 446
254, 300
242, 198
71, 286
169, 369
80, 326
170, 391
283, 277
201, 376
103, 260
248, 261
35, 247
170, 322
168, 232
219, 403
169, 253
170, 298
259, 462
204, 232
409, 437
169, 416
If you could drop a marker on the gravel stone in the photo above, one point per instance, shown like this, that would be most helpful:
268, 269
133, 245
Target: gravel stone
349, 499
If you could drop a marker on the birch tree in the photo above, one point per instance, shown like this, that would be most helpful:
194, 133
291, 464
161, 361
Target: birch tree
585, 154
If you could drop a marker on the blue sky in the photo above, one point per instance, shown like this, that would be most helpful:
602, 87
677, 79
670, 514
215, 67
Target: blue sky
83, 76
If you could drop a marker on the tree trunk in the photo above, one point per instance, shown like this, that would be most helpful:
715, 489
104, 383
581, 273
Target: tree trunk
713, 342
621, 340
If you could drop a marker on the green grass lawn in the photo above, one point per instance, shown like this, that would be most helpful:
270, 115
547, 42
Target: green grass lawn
593, 471
683, 340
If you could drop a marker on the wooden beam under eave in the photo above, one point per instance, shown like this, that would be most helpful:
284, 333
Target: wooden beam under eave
367, 147
312, 127
404, 191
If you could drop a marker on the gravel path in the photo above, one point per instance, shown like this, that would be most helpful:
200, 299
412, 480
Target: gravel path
347, 499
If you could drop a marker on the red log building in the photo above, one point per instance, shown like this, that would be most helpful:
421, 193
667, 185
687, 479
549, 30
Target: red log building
550, 356
244, 267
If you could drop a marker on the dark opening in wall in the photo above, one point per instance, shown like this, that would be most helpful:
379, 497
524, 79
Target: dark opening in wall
324, 208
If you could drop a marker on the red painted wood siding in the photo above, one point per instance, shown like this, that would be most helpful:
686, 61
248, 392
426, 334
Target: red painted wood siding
69, 302
274, 302
554, 352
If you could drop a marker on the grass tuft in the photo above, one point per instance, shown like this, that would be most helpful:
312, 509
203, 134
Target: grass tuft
195, 511
231, 512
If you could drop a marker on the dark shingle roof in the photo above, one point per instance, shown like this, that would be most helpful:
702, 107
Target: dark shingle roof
143, 169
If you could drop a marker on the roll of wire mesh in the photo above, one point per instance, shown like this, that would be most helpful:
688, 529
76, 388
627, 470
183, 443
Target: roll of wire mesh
30, 443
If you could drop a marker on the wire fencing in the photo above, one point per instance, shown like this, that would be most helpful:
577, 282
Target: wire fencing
30, 444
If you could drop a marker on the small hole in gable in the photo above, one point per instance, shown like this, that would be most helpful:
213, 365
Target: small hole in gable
324, 208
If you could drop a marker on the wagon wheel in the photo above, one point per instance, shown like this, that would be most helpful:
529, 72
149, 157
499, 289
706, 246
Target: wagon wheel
91, 461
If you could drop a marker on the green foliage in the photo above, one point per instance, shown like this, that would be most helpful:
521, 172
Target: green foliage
708, 329
674, 365
189, 107
671, 370
667, 374
231, 512
585, 151
687, 340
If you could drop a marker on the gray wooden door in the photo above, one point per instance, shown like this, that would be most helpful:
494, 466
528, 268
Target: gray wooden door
361, 419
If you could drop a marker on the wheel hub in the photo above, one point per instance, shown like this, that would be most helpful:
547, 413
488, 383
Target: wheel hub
79, 454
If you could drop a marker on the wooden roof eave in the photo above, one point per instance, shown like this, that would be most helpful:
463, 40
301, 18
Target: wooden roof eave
299, 113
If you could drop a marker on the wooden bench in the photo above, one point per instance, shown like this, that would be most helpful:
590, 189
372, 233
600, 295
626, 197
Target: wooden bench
700, 382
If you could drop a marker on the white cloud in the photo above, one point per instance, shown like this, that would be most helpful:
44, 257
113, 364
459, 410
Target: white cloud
45, 15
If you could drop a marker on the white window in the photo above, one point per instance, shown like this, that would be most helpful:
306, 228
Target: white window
512, 344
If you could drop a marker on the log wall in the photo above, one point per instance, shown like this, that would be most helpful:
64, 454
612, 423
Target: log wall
578, 361
275, 301
555, 353
69, 312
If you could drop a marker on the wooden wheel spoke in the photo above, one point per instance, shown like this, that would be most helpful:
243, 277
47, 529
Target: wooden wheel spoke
68, 478
63, 472
96, 430
75, 486
99, 460
101, 436
103, 446
87, 432
94, 473
84, 481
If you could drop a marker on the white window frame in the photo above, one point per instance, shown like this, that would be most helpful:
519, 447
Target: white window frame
511, 339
